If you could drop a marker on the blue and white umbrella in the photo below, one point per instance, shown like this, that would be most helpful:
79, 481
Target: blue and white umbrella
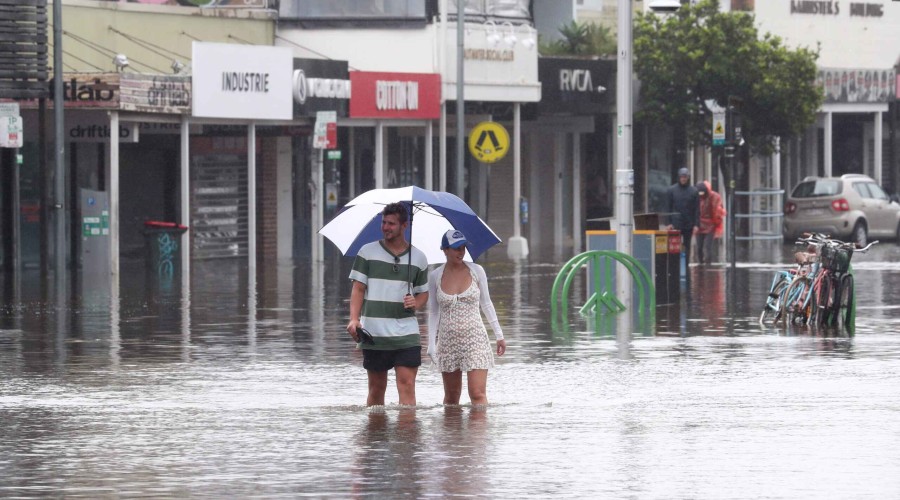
433, 214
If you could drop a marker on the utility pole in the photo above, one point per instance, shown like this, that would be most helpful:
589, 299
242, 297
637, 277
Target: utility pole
624, 165
732, 143
59, 177
460, 99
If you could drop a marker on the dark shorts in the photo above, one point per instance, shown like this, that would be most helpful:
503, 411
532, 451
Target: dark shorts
382, 361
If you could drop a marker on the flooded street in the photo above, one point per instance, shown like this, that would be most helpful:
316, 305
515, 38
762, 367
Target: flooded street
225, 392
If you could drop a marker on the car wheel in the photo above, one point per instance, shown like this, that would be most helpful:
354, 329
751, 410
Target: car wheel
859, 234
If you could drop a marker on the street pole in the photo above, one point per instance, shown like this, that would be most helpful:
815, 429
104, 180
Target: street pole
624, 166
460, 98
730, 150
59, 167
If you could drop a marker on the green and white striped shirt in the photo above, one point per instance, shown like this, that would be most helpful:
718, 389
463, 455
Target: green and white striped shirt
385, 277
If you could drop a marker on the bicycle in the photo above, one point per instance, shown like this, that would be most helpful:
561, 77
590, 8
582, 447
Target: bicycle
778, 297
798, 306
838, 282
773, 308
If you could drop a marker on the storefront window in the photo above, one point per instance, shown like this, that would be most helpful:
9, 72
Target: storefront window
659, 170
405, 163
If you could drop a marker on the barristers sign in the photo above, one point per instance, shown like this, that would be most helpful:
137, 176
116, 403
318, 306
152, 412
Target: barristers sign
836, 8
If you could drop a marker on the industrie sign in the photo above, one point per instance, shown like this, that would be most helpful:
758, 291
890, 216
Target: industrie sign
241, 81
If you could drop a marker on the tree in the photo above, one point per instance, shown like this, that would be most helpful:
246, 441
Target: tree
699, 53
581, 39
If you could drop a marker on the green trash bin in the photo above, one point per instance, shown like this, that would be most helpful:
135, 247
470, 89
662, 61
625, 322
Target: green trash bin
163, 255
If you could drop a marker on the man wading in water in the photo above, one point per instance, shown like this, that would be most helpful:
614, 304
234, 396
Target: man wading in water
380, 306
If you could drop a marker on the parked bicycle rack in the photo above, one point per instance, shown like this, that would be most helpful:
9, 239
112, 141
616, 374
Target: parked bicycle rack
602, 300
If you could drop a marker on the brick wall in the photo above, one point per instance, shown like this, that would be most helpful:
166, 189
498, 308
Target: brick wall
266, 201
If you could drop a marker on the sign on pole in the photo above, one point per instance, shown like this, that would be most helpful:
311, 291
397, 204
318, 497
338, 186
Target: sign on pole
11, 131
489, 142
325, 131
331, 196
718, 129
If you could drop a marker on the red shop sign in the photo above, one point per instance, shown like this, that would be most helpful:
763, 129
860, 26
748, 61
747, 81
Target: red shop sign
395, 95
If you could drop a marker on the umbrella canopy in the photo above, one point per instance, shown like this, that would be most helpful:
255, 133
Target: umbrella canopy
433, 214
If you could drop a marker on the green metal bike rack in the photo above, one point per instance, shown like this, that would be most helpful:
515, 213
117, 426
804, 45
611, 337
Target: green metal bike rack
603, 300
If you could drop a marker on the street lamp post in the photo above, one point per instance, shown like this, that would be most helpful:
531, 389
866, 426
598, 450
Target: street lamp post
624, 165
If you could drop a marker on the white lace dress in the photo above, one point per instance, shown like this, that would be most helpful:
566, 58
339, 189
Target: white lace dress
462, 340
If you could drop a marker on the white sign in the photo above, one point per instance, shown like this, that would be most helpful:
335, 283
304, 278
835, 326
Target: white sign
325, 131
500, 65
11, 131
718, 131
9, 109
242, 81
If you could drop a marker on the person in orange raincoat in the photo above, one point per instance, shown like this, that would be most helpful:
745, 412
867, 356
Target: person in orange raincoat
712, 221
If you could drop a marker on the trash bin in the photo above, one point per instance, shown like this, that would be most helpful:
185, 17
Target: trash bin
162, 241
652, 248
666, 248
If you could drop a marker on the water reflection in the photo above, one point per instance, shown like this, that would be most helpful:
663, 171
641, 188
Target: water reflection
247, 385
388, 453
458, 464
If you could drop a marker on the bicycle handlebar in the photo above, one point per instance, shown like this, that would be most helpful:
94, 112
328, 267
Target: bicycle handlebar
821, 239
865, 248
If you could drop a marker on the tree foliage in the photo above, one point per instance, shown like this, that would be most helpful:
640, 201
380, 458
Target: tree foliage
700, 53
581, 39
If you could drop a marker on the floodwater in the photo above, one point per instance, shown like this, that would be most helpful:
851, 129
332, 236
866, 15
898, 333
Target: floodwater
225, 392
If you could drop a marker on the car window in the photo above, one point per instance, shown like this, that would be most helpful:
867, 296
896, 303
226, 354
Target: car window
862, 188
877, 192
817, 188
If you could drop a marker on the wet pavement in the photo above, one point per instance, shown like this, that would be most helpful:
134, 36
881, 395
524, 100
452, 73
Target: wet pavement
236, 390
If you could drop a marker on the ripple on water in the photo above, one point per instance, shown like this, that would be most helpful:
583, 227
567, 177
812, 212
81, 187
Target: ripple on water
237, 401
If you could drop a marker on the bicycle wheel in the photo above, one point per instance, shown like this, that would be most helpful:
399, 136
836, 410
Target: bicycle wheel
772, 310
844, 309
832, 318
822, 294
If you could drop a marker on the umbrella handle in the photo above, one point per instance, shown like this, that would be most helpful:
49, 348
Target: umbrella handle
409, 256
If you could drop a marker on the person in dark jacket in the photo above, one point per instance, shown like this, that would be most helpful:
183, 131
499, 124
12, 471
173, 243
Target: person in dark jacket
683, 207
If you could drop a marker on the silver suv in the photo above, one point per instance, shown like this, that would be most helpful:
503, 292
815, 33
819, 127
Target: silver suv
852, 206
